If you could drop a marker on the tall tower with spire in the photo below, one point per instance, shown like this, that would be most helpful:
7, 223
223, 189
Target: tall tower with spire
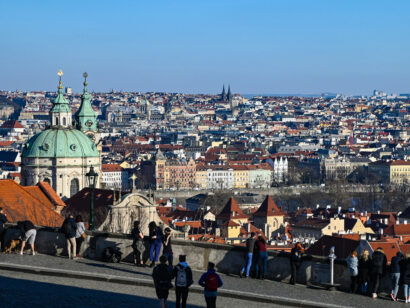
86, 117
223, 95
229, 96
60, 113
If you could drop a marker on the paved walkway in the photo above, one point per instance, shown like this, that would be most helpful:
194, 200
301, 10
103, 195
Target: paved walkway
261, 289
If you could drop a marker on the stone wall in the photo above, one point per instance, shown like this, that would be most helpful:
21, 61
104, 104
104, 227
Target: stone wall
228, 259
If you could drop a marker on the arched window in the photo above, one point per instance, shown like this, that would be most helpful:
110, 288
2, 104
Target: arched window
64, 121
47, 180
74, 187
56, 120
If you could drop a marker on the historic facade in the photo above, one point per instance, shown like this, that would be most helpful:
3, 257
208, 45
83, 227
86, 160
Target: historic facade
62, 155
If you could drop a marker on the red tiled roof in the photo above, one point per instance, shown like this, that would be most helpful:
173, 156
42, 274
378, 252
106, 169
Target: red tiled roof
51, 194
11, 124
402, 229
110, 167
6, 143
390, 248
28, 203
268, 208
230, 223
231, 211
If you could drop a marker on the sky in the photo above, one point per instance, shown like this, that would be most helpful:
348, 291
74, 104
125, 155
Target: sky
258, 47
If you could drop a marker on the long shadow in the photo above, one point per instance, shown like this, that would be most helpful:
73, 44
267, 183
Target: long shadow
115, 268
28, 293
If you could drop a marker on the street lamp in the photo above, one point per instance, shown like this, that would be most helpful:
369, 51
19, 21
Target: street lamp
92, 179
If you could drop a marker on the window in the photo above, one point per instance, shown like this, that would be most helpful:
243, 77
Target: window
56, 120
64, 121
47, 180
74, 187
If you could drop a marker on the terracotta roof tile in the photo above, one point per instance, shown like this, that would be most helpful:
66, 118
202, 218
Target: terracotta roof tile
268, 208
231, 210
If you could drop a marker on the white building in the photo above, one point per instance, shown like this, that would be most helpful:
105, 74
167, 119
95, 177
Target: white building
220, 177
114, 177
280, 170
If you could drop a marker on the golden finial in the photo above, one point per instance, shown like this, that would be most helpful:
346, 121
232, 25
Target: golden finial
85, 75
60, 84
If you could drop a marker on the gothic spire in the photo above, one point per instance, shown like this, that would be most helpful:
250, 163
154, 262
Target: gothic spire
223, 95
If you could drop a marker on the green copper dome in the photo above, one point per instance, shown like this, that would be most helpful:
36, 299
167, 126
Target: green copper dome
58, 142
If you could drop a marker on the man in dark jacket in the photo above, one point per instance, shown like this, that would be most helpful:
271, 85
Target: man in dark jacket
250, 246
162, 275
69, 229
3, 220
377, 269
183, 280
28, 234
295, 261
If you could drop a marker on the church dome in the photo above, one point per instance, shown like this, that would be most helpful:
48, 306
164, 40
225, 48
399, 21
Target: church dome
60, 142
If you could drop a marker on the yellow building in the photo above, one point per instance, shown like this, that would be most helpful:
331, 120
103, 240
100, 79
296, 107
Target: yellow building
269, 218
201, 177
240, 176
394, 172
335, 225
354, 225
230, 229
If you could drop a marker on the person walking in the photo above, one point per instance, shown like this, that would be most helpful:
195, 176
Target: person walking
364, 267
377, 269
395, 274
211, 282
250, 247
295, 261
353, 266
79, 234
262, 258
405, 276
3, 220
28, 234
167, 246
183, 280
69, 229
162, 275
138, 244
155, 236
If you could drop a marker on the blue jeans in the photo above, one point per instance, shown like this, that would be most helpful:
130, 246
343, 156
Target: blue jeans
248, 264
170, 257
395, 283
262, 259
155, 247
406, 290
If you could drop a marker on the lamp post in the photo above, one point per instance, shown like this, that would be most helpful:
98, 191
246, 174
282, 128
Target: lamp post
92, 179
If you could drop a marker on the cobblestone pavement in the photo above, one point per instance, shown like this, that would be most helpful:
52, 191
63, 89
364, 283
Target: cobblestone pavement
31, 290
266, 287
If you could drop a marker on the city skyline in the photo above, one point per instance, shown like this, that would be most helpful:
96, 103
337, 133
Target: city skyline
185, 47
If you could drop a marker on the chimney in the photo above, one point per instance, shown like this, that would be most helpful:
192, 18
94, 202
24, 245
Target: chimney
386, 221
397, 222
248, 227
378, 211
317, 206
405, 222
401, 238
339, 209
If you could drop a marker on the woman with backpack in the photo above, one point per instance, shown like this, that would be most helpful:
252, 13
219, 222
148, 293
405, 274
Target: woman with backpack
69, 229
155, 237
183, 280
138, 244
211, 282
353, 266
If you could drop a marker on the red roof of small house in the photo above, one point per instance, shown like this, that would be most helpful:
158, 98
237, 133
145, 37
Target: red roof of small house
28, 203
11, 124
6, 143
268, 208
230, 223
231, 211
110, 168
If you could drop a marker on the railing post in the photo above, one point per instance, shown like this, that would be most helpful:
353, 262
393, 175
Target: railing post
332, 258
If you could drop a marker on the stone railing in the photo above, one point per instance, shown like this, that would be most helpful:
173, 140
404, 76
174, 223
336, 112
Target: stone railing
228, 259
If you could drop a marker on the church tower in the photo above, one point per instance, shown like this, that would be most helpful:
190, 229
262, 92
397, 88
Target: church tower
86, 117
223, 95
229, 96
60, 114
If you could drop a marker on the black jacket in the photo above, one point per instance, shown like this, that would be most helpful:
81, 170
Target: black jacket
3, 220
295, 256
405, 271
364, 267
395, 263
25, 225
69, 227
378, 263
162, 275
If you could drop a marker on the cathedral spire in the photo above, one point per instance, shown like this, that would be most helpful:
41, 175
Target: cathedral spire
60, 114
223, 95
85, 117
229, 96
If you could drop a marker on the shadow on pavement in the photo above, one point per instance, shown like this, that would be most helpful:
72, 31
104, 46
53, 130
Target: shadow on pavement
115, 268
28, 293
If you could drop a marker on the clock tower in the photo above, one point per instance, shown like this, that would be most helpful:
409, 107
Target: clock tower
86, 117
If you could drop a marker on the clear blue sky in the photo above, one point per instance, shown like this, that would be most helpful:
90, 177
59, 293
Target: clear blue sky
194, 46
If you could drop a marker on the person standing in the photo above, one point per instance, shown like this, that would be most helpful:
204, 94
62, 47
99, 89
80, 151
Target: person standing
167, 246
183, 280
377, 269
405, 276
211, 282
138, 244
295, 261
262, 258
28, 234
364, 267
162, 275
250, 246
79, 234
395, 274
155, 236
69, 229
3, 220
353, 266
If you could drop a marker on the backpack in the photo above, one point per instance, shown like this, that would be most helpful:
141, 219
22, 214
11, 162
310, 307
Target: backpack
66, 228
181, 280
378, 260
211, 282
111, 255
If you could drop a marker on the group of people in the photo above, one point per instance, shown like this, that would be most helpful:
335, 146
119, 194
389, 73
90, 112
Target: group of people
74, 232
164, 273
256, 254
